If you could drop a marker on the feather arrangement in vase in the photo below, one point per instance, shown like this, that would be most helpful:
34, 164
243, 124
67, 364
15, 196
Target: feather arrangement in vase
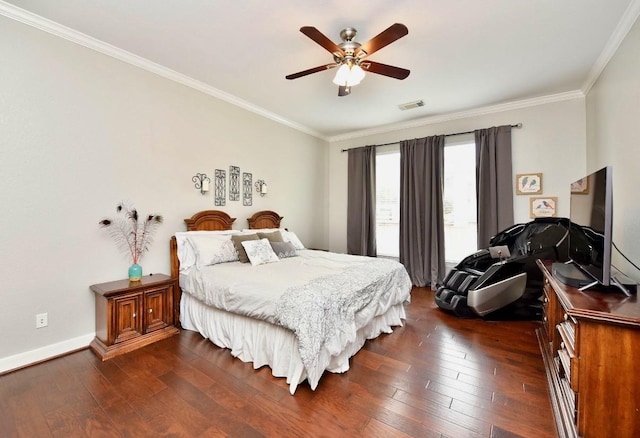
132, 235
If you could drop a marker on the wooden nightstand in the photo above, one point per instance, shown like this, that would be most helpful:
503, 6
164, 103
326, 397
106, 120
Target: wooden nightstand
130, 315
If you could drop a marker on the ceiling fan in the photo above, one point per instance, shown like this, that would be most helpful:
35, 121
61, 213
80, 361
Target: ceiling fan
350, 56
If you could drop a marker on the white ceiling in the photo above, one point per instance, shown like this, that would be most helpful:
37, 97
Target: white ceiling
463, 54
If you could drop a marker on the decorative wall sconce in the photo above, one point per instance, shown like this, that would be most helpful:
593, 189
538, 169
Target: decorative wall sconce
261, 187
202, 182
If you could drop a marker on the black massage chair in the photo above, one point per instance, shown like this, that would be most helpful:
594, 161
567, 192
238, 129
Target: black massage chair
503, 281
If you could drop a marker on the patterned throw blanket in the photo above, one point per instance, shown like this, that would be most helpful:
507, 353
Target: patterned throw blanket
325, 309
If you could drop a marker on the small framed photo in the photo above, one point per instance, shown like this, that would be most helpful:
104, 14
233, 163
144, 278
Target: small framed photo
528, 183
543, 206
581, 186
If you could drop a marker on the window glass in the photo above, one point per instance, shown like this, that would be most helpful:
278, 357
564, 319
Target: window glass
460, 212
460, 218
388, 203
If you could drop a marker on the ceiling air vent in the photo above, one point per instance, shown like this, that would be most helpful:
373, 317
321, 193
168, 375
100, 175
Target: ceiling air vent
411, 105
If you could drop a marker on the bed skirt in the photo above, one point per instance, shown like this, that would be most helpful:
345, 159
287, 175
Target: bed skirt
263, 343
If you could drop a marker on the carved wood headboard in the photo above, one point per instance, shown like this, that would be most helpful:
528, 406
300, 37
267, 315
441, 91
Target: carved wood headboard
265, 219
208, 220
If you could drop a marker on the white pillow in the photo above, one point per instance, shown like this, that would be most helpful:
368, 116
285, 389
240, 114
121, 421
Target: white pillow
291, 237
259, 251
213, 249
261, 230
287, 236
187, 254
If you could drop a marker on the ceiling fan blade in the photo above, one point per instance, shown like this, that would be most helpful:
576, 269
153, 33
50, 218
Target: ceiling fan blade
343, 90
311, 70
385, 70
321, 39
383, 39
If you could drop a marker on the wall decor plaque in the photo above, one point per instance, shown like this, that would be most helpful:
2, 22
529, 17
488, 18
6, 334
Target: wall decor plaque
543, 206
234, 183
247, 196
528, 183
220, 195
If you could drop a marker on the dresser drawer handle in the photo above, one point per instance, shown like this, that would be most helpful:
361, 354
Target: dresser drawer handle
546, 299
150, 310
566, 317
134, 315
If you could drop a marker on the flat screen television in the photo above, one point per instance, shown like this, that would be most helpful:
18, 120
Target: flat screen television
592, 209
590, 236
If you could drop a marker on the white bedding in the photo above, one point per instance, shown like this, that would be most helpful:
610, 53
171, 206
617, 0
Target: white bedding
301, 301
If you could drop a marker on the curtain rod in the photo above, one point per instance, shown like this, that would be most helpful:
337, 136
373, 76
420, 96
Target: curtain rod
517, 125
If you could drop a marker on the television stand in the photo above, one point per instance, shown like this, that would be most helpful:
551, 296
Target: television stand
571, 275
590, 344
623, 287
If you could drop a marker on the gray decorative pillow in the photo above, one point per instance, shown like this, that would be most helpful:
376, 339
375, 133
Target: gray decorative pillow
283, 249
259, 252
237, 242
275, 236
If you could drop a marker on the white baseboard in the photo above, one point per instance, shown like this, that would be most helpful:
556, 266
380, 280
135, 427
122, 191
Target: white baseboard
44, 353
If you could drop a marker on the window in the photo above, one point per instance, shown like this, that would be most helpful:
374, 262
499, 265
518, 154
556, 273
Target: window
388, 202
460, 218
460, 209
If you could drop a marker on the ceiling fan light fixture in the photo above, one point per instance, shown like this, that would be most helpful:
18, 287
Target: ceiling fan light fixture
349, 75
341, 75
357, 74
348, 56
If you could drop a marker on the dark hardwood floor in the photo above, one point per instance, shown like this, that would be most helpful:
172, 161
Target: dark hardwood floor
436, 376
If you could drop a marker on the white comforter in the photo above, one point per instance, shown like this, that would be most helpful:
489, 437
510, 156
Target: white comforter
324, 298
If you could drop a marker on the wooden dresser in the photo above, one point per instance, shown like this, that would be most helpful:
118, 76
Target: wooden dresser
590, 343
130, 315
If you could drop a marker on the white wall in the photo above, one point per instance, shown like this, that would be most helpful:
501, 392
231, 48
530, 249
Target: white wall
613, 138
551, 141
79, 132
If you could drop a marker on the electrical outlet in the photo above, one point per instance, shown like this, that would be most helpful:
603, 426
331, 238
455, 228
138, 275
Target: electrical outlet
42, 320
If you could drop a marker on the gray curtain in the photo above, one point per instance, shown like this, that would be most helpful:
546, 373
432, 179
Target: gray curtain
494, 182
361, 201
421, 210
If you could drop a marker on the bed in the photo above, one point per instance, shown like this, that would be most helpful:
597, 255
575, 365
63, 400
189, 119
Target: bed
306, 314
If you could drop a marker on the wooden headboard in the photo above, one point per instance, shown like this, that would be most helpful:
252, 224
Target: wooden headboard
265, 219
207, 220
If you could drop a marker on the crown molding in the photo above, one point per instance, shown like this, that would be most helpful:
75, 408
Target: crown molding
558, 97
622, 29
59, 30
18, 14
